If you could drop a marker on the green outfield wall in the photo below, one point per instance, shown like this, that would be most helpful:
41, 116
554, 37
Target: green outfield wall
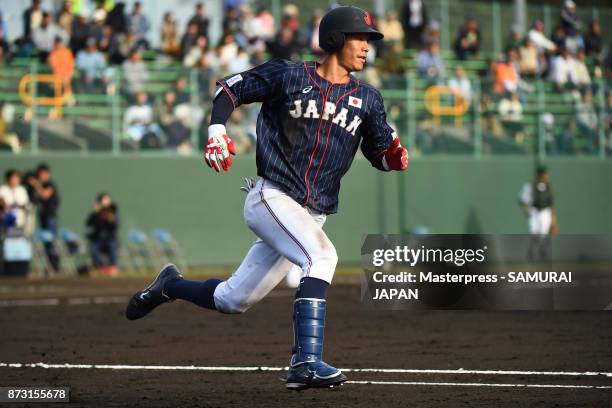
446, 194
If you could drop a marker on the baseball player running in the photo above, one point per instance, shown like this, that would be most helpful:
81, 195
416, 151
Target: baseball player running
312, 120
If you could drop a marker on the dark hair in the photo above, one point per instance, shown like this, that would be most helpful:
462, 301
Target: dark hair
541, 170
10, 173
100, 196
42, 167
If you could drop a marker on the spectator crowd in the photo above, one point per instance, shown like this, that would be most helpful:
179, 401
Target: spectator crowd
83, 48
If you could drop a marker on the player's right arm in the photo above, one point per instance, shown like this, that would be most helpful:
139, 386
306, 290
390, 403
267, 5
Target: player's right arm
255, 85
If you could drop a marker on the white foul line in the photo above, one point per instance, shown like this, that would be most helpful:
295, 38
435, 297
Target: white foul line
456, 384
266, 368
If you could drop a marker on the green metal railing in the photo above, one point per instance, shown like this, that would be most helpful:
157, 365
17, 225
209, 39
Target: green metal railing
107, 111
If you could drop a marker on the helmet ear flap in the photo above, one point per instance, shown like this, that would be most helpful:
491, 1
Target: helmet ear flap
334, 42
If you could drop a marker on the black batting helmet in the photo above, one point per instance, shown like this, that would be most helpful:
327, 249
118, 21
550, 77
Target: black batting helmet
344, 20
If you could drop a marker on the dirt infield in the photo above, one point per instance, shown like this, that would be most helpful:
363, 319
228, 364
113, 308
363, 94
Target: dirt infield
81, 322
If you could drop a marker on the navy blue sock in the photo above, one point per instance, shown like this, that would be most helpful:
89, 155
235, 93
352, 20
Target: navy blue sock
198, 292
312, 288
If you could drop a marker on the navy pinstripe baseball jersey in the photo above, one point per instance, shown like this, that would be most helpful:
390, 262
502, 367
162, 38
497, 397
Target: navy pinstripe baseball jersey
309, 129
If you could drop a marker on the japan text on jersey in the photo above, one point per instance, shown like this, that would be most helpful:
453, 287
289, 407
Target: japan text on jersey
309, 129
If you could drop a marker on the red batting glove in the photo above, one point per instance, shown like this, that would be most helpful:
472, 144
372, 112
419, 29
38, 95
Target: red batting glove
219, 149
396, 156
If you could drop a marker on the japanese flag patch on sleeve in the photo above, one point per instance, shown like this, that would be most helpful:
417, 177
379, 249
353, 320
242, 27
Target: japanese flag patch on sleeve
356, 102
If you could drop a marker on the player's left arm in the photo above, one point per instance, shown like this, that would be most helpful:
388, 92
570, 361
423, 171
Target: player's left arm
380, 144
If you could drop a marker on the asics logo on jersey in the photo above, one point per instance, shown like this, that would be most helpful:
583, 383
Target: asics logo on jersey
312, 112
307, 89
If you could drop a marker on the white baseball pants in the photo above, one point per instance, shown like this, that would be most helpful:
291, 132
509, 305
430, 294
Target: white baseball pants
539, 221
288, 234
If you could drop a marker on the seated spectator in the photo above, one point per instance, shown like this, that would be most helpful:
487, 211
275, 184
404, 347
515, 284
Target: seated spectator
238, 126
116, 18
45, 35
240, 63
414, 20
392, 28
431, 34
539, 39
231, 21
138, 24
468, 40
285, 45
264, 21
101, 11
516, 38
393, 60
228, 50
200, 20
429, 64
258, 53
507, 77
9, 142
593, 43
81, 31
165, 113
15, 198
291, 18
583, 78
32, 18
61, 61
511, 115
528, 57
490, 119
169, 35
65, 17
461, 85
195, 53
180, 88
102, 229
312, 33
92, 65
139, 123
563, 70
558, 37
586, 119
109, 45
97, 28
189, 38
135, 72
206, 78
125, 44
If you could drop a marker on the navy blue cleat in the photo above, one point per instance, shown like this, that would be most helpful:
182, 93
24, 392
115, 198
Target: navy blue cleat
307, 369
144, 301
318, 374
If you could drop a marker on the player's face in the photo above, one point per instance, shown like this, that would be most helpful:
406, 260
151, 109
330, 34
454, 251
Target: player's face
353, 54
